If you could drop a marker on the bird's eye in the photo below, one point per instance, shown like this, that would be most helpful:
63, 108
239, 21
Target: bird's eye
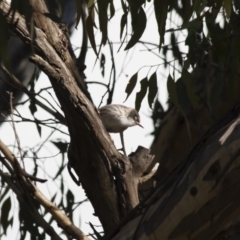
136, 118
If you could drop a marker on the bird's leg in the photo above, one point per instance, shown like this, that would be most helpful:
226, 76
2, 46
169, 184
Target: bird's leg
122, 141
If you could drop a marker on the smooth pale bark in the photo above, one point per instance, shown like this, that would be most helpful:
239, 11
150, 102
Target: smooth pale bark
198, 200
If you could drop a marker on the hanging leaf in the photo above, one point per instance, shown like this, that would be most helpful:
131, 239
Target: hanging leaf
228, 7
123, 24
161, 10
102, 64
89, 25
189, 83
195, 25
61, 145
70, 197
39, 129
27, 222
70, 203
91, 4
33, 109
131, 85
112, 9
171, 87
32, 106
79, 9
6, 207
198, 6
175, 49
3, 193
141, 94
152, 89
138, 28
191, 42
124, 6
103, 19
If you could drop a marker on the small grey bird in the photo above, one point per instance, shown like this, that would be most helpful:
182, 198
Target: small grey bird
117, 118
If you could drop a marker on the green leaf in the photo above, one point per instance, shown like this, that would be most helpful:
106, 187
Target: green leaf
123, 23
79, 9
124, 7
39, 129
62, 186
228, 7
6, 207
211, 16
141, 94
90, 25
131, 85
103, 19
198, 6
70, 197
61, 145
191, 42
70, 202
195, 24
112, 9
175, 49
138, 28
32, 106
152, 89
161, 10
3, 194
27, 222
102, 64
189, 83
172, 91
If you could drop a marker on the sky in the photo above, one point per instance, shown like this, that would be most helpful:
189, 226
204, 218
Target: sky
136, 59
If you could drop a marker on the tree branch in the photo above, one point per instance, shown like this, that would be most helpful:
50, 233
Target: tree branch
25, 186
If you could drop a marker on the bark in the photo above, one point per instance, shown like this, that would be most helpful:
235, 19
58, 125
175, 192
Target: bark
91, 148
198, 200
178, 135
109, 178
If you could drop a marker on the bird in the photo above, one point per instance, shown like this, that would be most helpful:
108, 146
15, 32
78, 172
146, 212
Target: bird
117, 118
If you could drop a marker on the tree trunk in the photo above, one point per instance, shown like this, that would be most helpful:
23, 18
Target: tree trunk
200, 198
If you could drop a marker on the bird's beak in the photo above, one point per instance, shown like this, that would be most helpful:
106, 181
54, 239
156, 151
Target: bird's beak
139, 124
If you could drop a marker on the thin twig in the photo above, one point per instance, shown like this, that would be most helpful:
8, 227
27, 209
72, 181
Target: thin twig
113, 70
17, 84
27, 186
14, 128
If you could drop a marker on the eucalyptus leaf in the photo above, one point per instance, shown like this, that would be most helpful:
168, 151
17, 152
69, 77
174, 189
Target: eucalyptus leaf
142, 93
138, 29
131, 85
171, 87
123, 23
103, 18
90, 25
5, 210
152, 89
228, 7
161, 10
